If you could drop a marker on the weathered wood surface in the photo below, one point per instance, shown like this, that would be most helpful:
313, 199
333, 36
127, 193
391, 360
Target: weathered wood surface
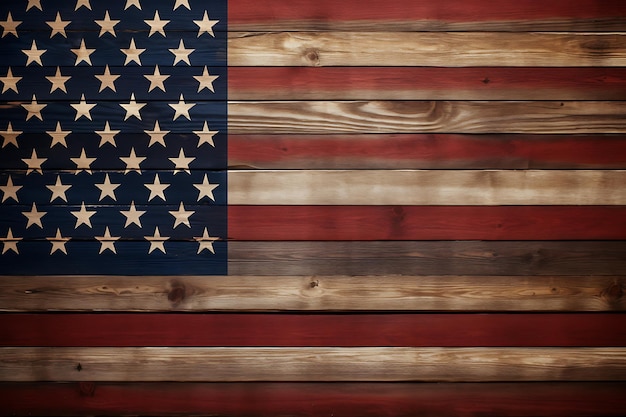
538, 399
223, 364
424, 187
314, 293
425, 83
446, 49
426, 222
406, 15
297, 330
331, 117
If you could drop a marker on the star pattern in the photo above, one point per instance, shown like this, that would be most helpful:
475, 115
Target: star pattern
157, 135
107, 242
132, 162
10, 136
34, 163
9, 81
107, 80
9, 190
83, 216
107, 25
83, 163
34, 109
9, 243
59, 190
206, 80
58, 81
59, 136
156, 80
9, 26
107, 135
83, 53
157, 242
34, 54
181, 109
58, 242
181, 216
205, 25
34, 217
132, 108
181, 54
58, 26
132, 53
206, 135
133, 216
205, 242
107, 189
181, 162
83, 109
205, 189
156, 24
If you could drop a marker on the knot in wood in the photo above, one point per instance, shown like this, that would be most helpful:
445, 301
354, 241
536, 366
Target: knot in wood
177, 292
613, 292
312, 56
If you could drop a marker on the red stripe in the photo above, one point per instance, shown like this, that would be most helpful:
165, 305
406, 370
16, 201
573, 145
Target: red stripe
316, 399
342, 330
264, 223
447, 151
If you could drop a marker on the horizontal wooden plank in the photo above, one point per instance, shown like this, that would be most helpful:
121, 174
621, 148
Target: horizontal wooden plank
558, 399
423, 187
425, 83
426, 151
297, 330
154, 364
446, 49
263, 223
313, 293
332, 117
408, 15
427, 258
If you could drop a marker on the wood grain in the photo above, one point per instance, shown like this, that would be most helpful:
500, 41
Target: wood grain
446, 49
298, 330
313, 293
308, 399
332, 117
220, 364
425, 83
417, 187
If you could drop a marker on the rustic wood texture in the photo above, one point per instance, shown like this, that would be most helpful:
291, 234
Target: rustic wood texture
314, 293
571, 399
446, 49
331, 117
298, 330
424, 187
223, 364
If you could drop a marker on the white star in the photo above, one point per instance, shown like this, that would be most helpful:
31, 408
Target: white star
82, 3
181, 216
156, 25
107, 241
82, 53
34, 216
205, 241
34, 54
83, 216
58, 190
9, 26
83, 163
107, 25
34, 163
181, 53
132, 162
206, 135
9, 82
181, 162
181, 108
58, 26
132, 108
34, 109
9, 242
83, 108
182, 3
107, 80
9, 190
205, 25
205, 189
156, 80
132, 215
156, 241
132, 3
156, 188
132, 53
206, 80
107, 189
33, 3
107, 135
58, 81
59, 136
157, 135
58, 242
10, 136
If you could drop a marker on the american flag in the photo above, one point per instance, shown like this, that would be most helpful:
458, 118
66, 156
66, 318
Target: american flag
113, 134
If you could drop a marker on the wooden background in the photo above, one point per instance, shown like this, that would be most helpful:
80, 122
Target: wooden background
428, 217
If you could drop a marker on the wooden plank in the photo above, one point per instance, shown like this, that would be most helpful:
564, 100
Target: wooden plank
428, 258
558, 399
332, 117
446, 49
219, 364
426, 151
408, 15
425, 83
313, 293
264, 223
416, 187
297, 330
